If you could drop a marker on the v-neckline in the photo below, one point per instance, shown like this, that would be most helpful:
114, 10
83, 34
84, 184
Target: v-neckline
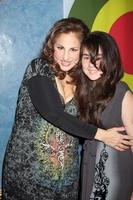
58, 86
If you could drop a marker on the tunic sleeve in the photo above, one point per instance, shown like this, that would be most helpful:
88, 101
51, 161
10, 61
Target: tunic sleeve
47, 102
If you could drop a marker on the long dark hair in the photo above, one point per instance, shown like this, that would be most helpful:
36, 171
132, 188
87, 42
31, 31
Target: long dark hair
93, 96
65, 25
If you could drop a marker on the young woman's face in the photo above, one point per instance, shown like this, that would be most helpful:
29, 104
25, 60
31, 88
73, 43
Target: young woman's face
89, 68
67, 50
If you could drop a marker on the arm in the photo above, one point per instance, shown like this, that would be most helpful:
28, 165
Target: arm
132, 196
127, 113
46, 100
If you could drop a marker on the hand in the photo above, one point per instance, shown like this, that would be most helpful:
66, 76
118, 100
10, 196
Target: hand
113, 138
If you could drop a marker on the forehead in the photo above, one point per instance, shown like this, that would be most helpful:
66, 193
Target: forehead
86, 50
70, 38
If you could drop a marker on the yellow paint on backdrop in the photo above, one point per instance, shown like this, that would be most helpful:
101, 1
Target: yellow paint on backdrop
105, 18
110, 12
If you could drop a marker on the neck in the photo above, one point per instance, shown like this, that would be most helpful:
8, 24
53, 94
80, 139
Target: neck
65, 88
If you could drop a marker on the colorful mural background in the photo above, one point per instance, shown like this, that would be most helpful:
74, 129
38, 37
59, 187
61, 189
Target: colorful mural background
114, 17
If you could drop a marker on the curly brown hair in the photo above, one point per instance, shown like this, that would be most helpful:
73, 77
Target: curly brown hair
65, 25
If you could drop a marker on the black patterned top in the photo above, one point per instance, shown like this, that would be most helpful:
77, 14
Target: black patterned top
41, 160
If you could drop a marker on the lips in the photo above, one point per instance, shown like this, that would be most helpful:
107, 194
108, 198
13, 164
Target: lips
92, 71
65, 64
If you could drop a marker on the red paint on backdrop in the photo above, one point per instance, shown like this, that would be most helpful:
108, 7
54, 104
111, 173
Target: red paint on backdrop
122, 31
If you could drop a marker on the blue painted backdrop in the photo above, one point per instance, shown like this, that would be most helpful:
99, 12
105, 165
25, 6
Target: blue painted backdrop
23, 26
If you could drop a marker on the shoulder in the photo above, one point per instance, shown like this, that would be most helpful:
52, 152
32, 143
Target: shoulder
122, 86
38, 66
121, 89
129, 95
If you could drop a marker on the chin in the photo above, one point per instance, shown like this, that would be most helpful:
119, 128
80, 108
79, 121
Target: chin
93, 78
65, 69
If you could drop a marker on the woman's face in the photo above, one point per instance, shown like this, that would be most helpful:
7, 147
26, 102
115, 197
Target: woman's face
67, 50
89, 68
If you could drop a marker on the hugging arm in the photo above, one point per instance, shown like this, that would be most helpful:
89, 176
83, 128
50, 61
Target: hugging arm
46, 100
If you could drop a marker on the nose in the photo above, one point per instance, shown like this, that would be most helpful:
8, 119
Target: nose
66, 55
91, 64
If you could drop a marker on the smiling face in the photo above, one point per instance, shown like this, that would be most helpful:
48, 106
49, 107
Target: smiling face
67, 50
91, 70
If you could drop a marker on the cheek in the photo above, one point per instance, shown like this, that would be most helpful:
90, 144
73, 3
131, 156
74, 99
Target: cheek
100, 73
76, 57
85, 64
56, 54
84, 69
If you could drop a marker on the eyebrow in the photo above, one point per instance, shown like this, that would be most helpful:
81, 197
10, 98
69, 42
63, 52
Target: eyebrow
85, 54
99, 54
58, 44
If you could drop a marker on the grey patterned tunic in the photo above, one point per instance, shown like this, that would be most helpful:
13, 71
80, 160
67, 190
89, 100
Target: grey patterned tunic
112, 172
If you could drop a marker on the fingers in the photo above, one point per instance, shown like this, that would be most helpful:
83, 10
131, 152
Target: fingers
128, 137
124, 143
122, 147
119, 129
119, 149
117, 140
120, 142
127, 140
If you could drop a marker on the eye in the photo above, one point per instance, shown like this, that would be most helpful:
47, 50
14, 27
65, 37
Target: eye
74, 49
98, 60
59, 47
86, 57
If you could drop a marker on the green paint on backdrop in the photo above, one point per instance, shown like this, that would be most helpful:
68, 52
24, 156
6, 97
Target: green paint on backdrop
86, 10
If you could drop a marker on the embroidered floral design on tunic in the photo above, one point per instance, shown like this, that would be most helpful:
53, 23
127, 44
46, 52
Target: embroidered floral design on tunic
101, 181
57, 153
